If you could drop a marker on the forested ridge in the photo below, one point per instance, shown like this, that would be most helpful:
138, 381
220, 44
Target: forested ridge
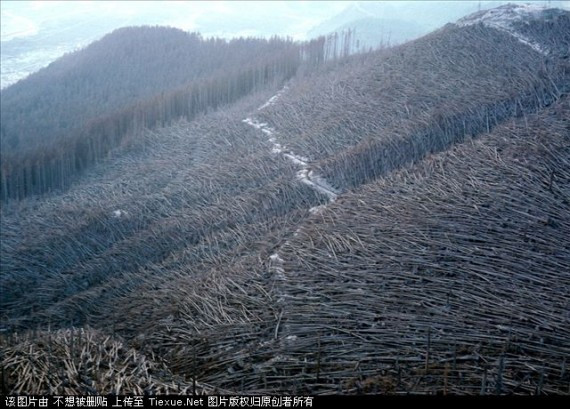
71, 114
122, 68
203, 256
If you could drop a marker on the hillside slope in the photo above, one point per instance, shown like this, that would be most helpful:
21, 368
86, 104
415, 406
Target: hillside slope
124, 67
73, 113
390, 108
453, 275
440, 263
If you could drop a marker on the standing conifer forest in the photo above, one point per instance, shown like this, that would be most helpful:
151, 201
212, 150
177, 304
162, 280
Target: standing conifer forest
185, 215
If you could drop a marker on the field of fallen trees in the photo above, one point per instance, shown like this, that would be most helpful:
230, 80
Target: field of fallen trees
194, 190
194, 260
385, 110
448, 277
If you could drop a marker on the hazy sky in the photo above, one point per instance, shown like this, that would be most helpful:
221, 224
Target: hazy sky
222, 18
292, 18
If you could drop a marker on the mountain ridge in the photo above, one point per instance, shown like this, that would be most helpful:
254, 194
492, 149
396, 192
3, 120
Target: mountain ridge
63, 119
208, 250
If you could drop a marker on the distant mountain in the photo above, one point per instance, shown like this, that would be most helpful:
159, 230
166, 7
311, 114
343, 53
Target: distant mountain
372, 32
392, 22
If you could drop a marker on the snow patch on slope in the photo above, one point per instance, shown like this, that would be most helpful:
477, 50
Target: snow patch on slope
503, 17
304, 175
275, 257
274, 98
315, 210
118, 213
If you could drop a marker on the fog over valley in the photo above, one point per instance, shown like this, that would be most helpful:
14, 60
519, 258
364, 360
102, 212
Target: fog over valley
35, 33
